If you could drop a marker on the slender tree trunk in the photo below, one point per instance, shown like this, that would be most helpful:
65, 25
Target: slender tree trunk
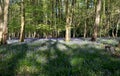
104, 18
29, 34
55, 18
86, 19
73, 17
1, 23
22, 21
34, 34
113, 35
68, 22
85, 29
74, 32
117, 27
97, 20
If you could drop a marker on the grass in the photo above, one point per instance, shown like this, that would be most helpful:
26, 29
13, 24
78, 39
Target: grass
75, 60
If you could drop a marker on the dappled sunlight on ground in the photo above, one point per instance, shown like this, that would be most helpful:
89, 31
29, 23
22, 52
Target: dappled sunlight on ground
57, 58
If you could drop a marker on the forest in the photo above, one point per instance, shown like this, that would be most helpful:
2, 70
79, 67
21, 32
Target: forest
59, 37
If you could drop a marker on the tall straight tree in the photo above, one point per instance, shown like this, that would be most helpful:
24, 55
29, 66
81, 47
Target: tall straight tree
68, 22
117, 26
97, 20
86, 19
4, 4
1, 22
22, 31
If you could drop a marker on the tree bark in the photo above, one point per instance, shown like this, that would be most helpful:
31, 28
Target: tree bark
85, 29
22, 31
68, 22
5, 29
3, 21
97, 21
117, 27
86, 19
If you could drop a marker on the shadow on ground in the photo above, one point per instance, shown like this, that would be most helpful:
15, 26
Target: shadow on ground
9, 58
52, 58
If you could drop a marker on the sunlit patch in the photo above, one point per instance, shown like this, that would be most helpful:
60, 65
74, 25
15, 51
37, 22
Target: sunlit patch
76, 61
30, 54
108, 41
42, 48
61, 47
41, 59
27, 69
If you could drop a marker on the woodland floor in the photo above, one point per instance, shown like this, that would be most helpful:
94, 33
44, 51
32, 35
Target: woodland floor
55, 57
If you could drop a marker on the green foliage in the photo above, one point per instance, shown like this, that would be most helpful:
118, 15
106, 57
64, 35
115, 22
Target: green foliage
50, 16
30, 28
44, 28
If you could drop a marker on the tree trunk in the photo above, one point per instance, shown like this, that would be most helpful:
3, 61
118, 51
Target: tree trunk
34, 34
117, 27
97, 21
29, 34
74, 32
68, 22
22, 31
86, 19
85, 29
5, 29
113, 35
73, 17
3, 21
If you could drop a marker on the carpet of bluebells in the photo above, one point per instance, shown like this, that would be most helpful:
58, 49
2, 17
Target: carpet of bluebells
55, 57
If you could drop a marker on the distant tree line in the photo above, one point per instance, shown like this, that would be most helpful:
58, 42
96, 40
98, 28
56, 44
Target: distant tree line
59, 19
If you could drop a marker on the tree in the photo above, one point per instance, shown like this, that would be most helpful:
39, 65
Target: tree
86, 19
68, 22
4, 4
22, 21
97, 20
65, 18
